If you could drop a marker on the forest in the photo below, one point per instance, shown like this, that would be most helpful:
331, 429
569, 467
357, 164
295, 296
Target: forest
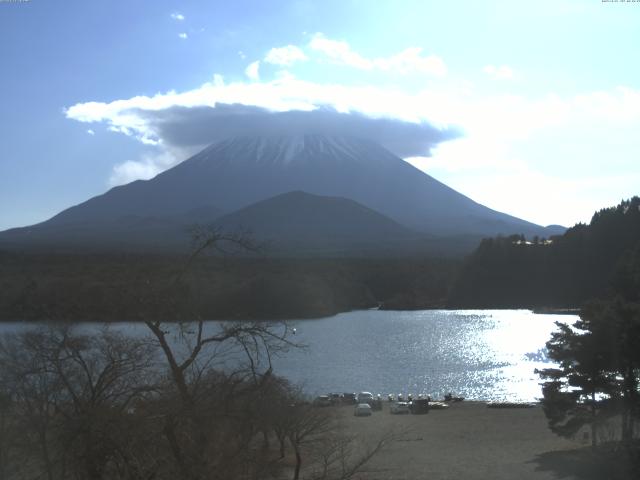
587, 262
117, 287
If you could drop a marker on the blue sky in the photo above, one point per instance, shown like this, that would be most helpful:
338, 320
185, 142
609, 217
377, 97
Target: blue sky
546, 94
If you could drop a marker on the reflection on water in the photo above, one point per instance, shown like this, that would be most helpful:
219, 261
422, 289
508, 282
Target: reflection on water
477, 354
482, 355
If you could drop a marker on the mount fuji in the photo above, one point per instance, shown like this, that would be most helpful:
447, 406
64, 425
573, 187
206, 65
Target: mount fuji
233, 180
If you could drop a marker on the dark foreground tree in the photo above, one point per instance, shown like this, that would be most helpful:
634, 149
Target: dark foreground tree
598, 373
218, 373
101, 406
71, 398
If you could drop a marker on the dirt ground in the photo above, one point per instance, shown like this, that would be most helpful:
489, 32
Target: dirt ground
469, 441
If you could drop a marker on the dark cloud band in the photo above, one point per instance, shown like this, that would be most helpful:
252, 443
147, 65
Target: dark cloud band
200, 126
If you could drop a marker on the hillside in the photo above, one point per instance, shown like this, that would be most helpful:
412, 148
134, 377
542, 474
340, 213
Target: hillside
564, 271
297, 222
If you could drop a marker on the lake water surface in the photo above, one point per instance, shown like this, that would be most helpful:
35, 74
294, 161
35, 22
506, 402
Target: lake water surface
481, 355
477, 354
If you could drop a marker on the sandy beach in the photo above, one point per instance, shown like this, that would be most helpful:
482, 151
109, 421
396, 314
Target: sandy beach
470, 441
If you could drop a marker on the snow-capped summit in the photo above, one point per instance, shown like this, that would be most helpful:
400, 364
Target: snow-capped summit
282, 149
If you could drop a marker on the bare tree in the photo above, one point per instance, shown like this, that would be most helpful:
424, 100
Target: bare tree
5, 409
34, 391
71, 397
307, 425
241, 352
318, 434
341, 456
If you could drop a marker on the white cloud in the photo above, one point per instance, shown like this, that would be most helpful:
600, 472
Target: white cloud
510, 158
548, 160
183, 35
218, 80
149, 165
285, 56
91, 132
241, 54
407, 61
177, 16
410, 60
505, 118
339, 51
131, 170
284, 75
501, 73
516, 185
253, 71
285, 94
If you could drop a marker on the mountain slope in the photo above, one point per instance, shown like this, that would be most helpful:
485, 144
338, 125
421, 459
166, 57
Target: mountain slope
235, 173
126, 232
299, 220
291, 223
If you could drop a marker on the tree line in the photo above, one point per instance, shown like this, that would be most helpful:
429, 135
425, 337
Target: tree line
38, 286
588, 261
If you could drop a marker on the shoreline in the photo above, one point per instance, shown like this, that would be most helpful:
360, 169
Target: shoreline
536, 311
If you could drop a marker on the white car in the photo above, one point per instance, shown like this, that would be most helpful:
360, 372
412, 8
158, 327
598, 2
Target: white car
399, 407
364, 397
362, 410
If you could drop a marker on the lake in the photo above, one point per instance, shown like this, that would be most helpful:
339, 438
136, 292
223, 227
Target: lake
477, 354
480, 355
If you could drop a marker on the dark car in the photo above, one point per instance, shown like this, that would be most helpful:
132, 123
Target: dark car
419, 406
322, 401
349, 398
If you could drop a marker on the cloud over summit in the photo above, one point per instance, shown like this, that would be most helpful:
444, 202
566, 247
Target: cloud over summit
199, 126
216, 110
178, 124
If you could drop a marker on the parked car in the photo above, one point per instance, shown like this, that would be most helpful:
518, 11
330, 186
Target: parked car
349, 398
399, 408
362, 410
365, 397
322, 401
419, 406
376, 403
450, 398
